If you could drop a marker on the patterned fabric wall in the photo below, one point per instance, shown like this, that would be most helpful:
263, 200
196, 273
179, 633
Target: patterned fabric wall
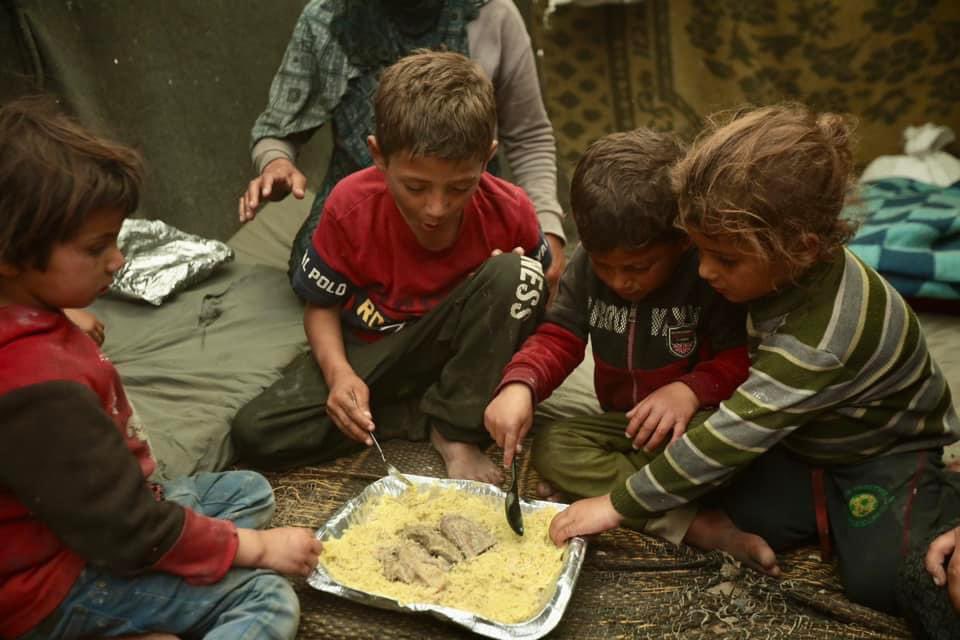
668, 63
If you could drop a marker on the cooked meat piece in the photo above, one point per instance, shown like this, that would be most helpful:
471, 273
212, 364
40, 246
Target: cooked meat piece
471, 538
431, 540
409, 562
393, 569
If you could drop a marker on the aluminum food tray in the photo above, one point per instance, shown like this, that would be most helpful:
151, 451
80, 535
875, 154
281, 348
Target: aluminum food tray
536, 627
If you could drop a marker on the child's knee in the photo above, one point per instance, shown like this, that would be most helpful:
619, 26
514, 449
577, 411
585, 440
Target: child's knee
248, 432
550, 449
872, 585
273, 599
255, 488
518, 280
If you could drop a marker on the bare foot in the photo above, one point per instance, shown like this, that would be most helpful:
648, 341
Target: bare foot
713, 529
545, 491
465, 461
149, 636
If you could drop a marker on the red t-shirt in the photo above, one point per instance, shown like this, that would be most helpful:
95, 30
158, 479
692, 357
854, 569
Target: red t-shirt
365, 256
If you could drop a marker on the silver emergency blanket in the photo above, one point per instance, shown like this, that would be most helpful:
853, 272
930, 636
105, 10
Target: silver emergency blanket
161, 260
537, 627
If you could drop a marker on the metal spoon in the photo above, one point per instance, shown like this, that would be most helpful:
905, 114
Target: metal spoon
512, 503
392, 470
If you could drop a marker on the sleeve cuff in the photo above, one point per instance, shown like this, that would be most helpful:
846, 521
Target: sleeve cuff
704, 387
266, 150
523, 375
551, 222
624, 503
205, 551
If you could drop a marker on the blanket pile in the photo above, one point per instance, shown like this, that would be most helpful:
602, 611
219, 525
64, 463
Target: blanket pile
911, 234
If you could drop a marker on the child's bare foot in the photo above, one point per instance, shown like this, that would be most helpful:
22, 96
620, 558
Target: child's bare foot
465, 461
545, 491
713, 529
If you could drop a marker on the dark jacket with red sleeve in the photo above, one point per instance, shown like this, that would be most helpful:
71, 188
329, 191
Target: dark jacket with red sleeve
684, 331
73, 469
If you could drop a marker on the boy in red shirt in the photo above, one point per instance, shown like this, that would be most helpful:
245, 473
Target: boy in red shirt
88, 547
408, 316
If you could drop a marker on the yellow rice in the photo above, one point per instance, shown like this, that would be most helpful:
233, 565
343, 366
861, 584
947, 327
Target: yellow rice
510, 583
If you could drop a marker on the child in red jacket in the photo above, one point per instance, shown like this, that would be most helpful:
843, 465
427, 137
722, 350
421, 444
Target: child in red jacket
88, 546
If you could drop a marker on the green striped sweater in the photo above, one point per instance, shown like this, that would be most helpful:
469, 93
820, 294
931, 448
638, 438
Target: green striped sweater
839, 372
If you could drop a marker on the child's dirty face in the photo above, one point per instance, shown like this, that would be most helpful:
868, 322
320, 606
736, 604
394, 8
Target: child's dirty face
79, 269
634, 273
737, 275
431, 194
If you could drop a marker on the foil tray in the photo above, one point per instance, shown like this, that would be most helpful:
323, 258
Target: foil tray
536, 627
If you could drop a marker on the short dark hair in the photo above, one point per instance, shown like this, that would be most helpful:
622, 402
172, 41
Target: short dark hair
435, 103
620, 194
53, 172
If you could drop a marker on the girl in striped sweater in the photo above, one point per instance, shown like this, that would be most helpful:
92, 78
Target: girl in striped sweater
836, 436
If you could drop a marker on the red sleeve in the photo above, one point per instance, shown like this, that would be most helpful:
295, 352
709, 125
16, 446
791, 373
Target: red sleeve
204, 552
545, 360
530, 235
65, 460
714, 380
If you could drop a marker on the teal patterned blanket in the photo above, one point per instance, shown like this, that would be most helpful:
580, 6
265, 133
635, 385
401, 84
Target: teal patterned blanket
911, 234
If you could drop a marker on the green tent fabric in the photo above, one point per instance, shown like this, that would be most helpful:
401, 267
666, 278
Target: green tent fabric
181, 80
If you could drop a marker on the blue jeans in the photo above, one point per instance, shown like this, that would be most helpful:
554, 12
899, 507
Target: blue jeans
245, 604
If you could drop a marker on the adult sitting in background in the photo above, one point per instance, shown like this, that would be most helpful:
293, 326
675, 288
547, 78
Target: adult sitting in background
329, 74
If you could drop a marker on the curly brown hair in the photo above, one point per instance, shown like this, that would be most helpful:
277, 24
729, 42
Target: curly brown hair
620, 193
771, 178
53, 172
435, 103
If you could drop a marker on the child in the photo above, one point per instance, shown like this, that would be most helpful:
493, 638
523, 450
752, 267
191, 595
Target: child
333, 61
665, 344
88, 547
838, 429
407, 318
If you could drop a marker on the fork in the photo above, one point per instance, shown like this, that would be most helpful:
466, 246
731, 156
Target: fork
392, 470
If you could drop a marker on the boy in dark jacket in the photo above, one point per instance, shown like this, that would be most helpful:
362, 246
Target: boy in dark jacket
665, 344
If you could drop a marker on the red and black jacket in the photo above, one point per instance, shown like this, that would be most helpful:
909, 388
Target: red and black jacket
684, 331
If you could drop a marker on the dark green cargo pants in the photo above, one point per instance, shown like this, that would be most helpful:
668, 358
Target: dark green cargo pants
439, 372
879, 511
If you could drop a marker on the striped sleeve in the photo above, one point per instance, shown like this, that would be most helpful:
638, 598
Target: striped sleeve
840, 379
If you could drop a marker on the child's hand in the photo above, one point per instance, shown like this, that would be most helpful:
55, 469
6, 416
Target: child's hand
667, 409
497, 252
88, 323
508, 418
557, 265
945, 546
279, 178
286, 550
584, 518
348, 405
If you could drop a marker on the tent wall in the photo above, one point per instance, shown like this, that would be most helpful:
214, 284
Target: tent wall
180, 79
